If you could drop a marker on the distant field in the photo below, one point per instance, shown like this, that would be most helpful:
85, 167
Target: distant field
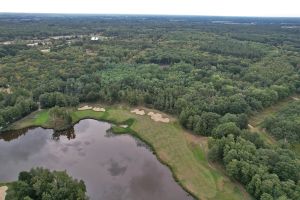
183, 152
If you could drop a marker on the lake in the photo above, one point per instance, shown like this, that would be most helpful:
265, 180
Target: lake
113, 167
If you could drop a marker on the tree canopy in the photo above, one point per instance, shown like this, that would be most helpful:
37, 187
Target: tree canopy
40, 183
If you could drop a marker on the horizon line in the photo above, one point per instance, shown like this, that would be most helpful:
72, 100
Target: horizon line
147, 14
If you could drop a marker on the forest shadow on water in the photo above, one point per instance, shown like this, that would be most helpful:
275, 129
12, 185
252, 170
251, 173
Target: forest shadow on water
113, 167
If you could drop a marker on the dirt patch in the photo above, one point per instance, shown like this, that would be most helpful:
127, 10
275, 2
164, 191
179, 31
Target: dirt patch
157, 117
3, 192
138, 112
99, 109
85, 108
296, 98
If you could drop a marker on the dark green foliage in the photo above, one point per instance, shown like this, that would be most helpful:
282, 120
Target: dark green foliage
43, 184
253, 137
198, 70
266, 173
232, 47
286, 124
226, 129
15, 107
11, 50
48, 100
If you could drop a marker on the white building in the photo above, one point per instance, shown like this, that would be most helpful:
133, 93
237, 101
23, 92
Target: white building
94, 38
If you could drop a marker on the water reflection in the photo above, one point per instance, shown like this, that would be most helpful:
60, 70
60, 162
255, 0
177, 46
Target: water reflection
12, 135
113, 168
69, 133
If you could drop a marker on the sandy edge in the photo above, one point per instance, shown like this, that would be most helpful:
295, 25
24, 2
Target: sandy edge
3, 192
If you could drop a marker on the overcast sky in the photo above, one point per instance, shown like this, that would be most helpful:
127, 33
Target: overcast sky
286, 8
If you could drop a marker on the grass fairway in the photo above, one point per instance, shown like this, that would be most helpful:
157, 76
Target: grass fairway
184, 153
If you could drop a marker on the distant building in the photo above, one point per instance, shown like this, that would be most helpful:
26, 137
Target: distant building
45, 50
94, 38
33, 44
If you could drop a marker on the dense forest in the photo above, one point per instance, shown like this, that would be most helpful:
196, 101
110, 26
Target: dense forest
43, 184
285, 125
211, 72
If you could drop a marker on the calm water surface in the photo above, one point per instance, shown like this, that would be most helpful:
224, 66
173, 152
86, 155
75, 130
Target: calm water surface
113, 167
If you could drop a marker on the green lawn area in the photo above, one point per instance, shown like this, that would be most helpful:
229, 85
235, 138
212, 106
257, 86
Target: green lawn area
41, 118
37, 118
173, 146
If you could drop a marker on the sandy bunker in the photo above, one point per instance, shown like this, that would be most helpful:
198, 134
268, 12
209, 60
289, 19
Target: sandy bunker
158, 117
3, 192
85, 108
97, 109
138, 112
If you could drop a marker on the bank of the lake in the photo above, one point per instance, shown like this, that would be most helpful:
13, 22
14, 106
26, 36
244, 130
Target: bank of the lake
173, 146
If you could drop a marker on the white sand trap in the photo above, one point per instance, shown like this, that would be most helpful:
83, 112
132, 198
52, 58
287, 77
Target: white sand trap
124, 126
296, 98
99, 109
157, 117
85, 108
3, 192
138, 112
